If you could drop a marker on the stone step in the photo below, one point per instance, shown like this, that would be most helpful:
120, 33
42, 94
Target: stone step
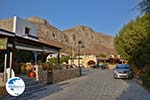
25, 95
31, 86
26, 78
30, 83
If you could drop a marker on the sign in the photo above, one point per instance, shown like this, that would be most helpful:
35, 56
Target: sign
3, 43
15, 86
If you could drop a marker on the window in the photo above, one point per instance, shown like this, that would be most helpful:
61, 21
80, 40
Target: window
27, 30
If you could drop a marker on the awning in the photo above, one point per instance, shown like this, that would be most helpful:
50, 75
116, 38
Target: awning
29, 48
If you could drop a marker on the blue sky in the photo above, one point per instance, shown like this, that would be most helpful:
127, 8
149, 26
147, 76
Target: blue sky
106, 16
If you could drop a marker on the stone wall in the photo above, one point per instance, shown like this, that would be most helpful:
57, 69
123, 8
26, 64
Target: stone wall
64, 74
54, 76
2, 87
2, 92
43, 77
1, 77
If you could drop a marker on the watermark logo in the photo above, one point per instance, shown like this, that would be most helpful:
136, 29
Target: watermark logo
15, 86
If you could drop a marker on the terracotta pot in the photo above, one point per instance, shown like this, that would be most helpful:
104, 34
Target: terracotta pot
31, 74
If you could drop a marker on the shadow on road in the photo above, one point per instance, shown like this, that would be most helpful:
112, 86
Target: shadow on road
133, 91
50, 90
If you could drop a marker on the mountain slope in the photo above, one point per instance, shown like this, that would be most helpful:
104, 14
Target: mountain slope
92, 42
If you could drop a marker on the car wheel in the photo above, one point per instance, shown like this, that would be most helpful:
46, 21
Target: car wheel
115, 77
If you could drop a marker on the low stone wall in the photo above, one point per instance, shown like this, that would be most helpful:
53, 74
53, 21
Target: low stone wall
43, 77
49, 77
1, 77
2, 92
64, 74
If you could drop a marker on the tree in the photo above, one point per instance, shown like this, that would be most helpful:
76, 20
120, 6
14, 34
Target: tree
143, 50
133, 41
144, 6
55, 60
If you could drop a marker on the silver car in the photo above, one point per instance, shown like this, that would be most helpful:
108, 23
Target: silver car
122, 71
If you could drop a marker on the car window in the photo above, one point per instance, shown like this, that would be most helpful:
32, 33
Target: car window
122, 67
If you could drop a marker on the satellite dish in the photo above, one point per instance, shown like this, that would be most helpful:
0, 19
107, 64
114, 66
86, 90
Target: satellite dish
8, 73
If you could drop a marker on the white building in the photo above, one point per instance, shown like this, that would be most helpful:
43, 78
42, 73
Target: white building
24, 28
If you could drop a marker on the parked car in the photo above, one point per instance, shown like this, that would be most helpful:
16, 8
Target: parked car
122, 71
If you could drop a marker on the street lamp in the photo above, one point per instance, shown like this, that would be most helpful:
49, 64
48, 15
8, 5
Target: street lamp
79, 43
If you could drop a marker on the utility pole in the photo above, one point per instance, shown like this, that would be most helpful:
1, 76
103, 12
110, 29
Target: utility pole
79, 43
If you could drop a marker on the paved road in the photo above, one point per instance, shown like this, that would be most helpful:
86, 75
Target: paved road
95, 84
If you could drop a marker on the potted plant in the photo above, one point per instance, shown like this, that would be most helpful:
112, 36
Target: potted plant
31, 74
30, 70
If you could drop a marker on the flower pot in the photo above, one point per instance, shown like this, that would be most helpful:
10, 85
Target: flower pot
31, 74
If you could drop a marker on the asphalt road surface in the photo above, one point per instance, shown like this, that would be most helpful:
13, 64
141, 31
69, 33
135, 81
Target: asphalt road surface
95, 84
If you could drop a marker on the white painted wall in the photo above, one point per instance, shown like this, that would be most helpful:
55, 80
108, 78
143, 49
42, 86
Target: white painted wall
19, 27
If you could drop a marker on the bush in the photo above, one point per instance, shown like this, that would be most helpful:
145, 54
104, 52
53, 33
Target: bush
146, 81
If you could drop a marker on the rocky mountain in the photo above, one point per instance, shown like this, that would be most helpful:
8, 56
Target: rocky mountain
91, 42
7, 24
